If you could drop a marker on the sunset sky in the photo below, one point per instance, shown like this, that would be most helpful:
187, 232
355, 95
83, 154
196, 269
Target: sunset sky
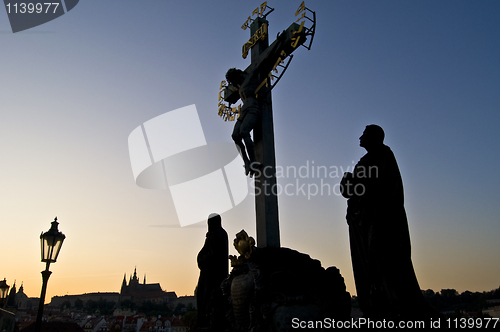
72, 90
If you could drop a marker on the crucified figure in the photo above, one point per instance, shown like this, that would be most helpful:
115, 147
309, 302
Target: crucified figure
250, 114
246, 82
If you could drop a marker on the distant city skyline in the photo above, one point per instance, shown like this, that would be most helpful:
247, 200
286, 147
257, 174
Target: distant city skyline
173, 290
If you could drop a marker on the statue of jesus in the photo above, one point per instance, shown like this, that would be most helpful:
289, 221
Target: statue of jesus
249, 115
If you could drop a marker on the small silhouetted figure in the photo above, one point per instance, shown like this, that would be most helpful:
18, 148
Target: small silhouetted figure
386, 284
213, 264
247, 119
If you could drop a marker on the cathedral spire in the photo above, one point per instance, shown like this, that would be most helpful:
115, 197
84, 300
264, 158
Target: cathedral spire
134, 280
124, 282
11, 300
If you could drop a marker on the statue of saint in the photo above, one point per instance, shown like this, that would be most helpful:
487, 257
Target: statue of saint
214, 268
386, 284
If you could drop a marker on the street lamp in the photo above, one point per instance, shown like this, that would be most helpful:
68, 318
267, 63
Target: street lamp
4, 289
51, 242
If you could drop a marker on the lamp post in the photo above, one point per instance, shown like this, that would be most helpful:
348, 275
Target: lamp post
4, 289
51, 242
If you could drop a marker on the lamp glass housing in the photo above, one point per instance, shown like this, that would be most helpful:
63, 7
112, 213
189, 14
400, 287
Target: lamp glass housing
51, 243
4, 289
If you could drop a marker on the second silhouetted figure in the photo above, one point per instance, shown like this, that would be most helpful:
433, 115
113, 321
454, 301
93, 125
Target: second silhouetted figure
386, 284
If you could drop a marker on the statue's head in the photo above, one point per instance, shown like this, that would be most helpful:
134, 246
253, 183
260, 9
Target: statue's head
235, 76
214, 221
373, 136
244, 244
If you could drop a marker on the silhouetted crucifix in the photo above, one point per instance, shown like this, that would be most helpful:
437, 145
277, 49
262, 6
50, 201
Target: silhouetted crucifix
253, 86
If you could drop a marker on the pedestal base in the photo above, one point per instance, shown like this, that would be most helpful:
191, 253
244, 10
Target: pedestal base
278, 287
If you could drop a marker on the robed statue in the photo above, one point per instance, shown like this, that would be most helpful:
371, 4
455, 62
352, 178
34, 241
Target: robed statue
385, 280
214, 268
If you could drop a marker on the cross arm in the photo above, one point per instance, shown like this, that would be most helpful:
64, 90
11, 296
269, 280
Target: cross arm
286, 42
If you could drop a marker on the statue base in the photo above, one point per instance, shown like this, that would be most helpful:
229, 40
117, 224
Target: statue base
276, 288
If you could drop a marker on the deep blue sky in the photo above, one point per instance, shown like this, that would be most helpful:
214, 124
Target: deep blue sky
73, 89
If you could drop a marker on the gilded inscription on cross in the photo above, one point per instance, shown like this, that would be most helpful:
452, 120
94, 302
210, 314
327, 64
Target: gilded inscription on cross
253, 86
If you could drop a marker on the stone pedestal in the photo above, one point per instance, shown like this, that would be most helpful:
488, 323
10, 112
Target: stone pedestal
274, 285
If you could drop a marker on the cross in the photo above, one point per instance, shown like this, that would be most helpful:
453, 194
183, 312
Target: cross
265, 61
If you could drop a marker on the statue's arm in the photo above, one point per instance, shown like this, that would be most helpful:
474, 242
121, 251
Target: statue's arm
273, 53
345, 184
204, 256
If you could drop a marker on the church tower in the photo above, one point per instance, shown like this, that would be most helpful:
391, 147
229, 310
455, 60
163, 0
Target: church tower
124, 283
11, 300
134, 281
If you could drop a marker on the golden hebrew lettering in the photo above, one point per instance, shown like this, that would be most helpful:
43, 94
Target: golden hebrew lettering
300, 28
295, 41
261, 85
263, 7
221, 106
245, 25
271, 77
280, 61
295, 34
303, 15
259, 11
264, 82
228, 113
259, 34
245, 50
